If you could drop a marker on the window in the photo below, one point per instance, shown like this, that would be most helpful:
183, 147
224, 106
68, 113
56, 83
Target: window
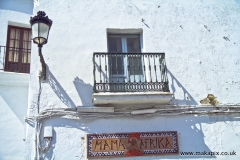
125, 76
124, 67
18, 50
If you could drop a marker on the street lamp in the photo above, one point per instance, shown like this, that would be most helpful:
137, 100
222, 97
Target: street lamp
41, 25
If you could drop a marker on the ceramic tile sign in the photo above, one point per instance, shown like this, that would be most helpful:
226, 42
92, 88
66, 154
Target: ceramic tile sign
132, 144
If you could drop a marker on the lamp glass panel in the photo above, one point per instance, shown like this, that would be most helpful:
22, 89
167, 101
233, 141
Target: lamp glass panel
43, 31
35, 30
41, 36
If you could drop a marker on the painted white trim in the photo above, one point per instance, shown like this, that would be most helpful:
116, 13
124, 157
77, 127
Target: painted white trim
124, 30
19, 24
14, 79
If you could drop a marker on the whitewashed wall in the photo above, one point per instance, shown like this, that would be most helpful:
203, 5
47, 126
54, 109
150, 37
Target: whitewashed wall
13, 86
200, 61
13, 107
195, 134
16, 13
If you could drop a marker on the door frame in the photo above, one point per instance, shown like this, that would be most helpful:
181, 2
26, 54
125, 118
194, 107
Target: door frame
126, 75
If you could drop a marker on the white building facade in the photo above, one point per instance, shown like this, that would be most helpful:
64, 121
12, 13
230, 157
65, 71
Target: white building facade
133, 67
14, 83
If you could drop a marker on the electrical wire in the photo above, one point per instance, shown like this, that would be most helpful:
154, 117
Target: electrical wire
164, 110
63, 112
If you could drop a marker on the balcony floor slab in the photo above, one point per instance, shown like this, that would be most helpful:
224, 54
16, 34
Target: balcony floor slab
145, 99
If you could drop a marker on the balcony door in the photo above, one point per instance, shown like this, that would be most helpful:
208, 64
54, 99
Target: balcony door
125, 60
18, 49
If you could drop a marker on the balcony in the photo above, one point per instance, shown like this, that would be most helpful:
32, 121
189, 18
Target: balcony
15, 59
130, 79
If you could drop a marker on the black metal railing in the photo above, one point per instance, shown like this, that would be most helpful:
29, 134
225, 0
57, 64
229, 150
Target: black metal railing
2, 57
129, 72
15, 59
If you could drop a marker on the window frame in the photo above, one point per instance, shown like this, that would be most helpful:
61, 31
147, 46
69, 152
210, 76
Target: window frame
124, 49
19, 65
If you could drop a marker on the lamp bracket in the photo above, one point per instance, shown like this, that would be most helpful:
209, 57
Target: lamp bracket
42, 74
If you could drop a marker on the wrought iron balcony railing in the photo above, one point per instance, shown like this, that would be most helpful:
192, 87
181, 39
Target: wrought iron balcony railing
129, 72
15, 59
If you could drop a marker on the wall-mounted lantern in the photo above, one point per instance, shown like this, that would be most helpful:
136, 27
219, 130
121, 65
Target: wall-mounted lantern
41, 25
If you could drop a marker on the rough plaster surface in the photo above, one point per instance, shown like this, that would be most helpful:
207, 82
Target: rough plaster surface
199, 59
195, 133
13, 12
18, 11
13, 107
12, 133
13, 87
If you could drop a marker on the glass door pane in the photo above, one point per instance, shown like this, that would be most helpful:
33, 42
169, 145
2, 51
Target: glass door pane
134, 61
14, 45
26, 47
116, 60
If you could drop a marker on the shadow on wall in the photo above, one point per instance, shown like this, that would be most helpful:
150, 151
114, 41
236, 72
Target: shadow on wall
100, 71
187, 98
195, 133
14, 101
59, 91
72, 138
23, 6
85, 91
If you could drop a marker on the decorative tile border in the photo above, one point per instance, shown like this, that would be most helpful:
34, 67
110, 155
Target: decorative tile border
132, 144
